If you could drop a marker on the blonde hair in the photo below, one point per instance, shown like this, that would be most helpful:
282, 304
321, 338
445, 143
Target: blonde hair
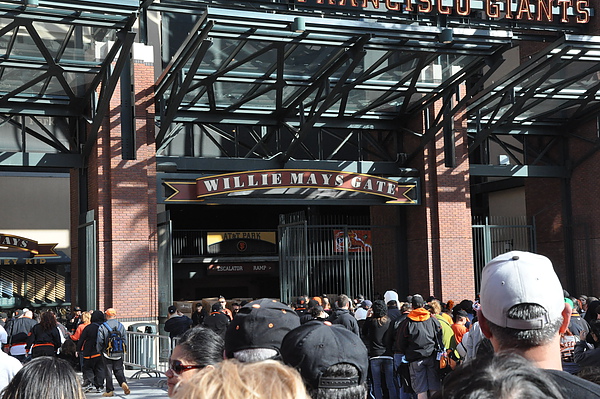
437, 308
86, 317
230, 379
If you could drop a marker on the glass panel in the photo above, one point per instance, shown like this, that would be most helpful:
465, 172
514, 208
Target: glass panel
266, 101
360, 99
555, 106
78, 82
5, 39
257, 65
53, 36
203, 100
81, 45
290, 93
491, 108
533, 79
223, 48
305, 61
578, 68
400, 72
229, 93
55, 88
16, 78
36, 145
25, 46
356, 72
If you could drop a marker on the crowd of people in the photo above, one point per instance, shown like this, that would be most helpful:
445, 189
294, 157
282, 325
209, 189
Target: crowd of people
40, 353
522, 336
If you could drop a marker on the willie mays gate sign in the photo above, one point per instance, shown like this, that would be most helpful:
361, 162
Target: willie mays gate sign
294, 184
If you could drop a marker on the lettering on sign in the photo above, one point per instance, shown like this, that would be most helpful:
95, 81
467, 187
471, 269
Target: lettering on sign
243, 268
217, 237
563, 11
22, 261
287, 178
322, 181
25, 244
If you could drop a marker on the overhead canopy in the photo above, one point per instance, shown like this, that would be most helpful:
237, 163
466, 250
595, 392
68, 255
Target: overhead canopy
264, 68
53, 58
555, 91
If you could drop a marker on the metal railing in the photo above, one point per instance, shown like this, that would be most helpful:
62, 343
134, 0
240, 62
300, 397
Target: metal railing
493, 236
147, 352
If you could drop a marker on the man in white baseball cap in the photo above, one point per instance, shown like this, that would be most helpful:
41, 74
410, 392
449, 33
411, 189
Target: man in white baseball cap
523, 311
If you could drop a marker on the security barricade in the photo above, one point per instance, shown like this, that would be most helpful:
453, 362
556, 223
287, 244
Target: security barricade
147, 352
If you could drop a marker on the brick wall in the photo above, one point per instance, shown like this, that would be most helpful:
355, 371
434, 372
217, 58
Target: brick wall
570, 236
123, 193
440, 248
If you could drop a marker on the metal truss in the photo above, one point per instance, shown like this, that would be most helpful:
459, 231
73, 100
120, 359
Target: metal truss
59, 66
537, 106
271, 143
250, 68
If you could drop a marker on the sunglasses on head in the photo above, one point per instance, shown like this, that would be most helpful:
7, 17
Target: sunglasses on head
179, 367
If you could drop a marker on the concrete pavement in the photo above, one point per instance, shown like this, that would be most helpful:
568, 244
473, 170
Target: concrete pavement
146, 386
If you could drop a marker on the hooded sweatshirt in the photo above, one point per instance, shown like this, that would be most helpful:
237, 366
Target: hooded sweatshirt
419, 335
87, 340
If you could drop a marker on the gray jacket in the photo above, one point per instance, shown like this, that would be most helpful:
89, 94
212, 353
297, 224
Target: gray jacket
104, 333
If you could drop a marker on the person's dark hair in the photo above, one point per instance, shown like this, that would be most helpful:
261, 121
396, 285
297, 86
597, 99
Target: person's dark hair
340, 370
315, 311
595, 329
97, 316
467, 306
45, 376
392, 303
47, 321
576, 304
460, 314
68, 348
501, 376
203, 345
417, 301
379, 309
590, 373
592, 310
312, 303
405, 307
525, 339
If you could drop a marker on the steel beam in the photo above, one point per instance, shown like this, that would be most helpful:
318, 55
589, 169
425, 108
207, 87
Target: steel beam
518, 171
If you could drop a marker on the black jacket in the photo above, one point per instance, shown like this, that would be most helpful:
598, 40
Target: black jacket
343, 317
217, 322
378, 336
177, 325
87, 341
198, 317
39, 336
419, 335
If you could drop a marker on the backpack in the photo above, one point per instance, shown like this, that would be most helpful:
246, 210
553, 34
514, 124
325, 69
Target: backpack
115, 344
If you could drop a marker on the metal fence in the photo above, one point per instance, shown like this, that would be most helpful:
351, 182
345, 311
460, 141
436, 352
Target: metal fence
148, 353
493, 236
325, 260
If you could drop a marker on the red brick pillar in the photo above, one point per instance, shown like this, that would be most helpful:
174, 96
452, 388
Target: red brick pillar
440, 245
123, 195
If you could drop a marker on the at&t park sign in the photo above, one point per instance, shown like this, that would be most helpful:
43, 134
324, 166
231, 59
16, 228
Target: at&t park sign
302, 183
562, 11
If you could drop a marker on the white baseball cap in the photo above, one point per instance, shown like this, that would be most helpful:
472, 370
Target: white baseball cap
519, 277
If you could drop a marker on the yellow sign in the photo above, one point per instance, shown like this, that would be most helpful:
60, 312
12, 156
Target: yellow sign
217, 237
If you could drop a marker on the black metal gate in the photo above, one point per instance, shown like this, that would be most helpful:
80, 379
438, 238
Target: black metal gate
324, 259
495, 235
